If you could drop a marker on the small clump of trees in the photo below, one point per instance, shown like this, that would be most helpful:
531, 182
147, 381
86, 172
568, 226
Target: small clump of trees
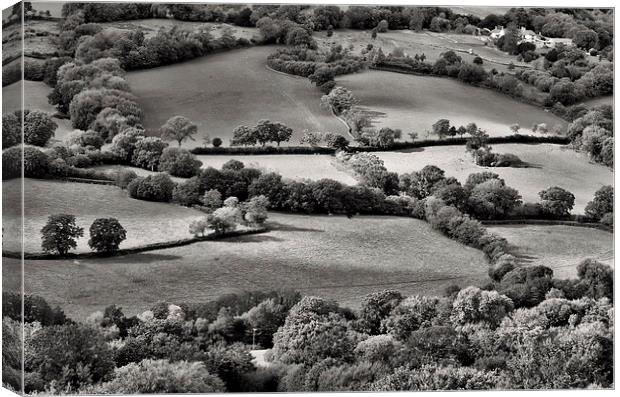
263, 132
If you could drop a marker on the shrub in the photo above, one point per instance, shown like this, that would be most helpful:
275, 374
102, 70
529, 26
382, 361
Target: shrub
124, 177
179, 162
124, 143
216, 142
106, 234
60, 234
161, 376
38, 127
212, 200
35, 309
503, 265
71, 355
87, 139
597, 278
224, 219
256, 210
35, 162
147, 152
158, 187
473, 305
187, 193
375, 308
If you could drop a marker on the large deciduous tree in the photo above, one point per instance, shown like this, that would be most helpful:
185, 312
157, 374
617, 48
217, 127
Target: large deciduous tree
60, 234
106, 234
178, 128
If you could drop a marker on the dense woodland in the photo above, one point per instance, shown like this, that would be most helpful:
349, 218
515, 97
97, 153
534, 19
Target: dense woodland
523, 329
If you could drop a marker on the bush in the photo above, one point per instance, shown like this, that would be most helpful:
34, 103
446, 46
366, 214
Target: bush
179, 162
147, 152
60, 234
161, 376
38, 127
106, 234
35, 309
87, 139
187, 193
216, 142
158, 187
35, 162
70, 355
124, 177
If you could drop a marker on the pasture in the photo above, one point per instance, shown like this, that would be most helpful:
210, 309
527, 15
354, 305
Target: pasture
145, 222
431, 44
293, 166
222, 91
35, 98
560, 248
329, 256
151, 26
414, 103
550, 165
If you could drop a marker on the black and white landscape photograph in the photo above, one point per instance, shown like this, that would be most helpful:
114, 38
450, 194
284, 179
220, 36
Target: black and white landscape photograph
210, 197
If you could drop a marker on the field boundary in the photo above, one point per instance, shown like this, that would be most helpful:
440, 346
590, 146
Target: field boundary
548, 222
460, 141
134, 250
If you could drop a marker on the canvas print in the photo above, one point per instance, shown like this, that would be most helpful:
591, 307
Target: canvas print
212, 197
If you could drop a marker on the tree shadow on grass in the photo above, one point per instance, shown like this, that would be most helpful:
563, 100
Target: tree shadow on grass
291, 228
148, 257
256, 238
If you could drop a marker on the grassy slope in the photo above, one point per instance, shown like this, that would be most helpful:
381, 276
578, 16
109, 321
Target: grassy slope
289, 166
558, 247
35, 98
222, 91
428, 43
414, 103
552, 165
330, 256
144, 221
151, 26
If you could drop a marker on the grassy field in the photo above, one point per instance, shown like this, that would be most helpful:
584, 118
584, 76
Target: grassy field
558, 247
550, 165
145, 222
414, 103
151, 26
34, 42
222, 91
428, 43
329, 256
289, 166
35, 98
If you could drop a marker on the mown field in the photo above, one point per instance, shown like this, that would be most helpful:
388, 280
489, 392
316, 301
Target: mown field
222, 91
559, 247
331, 256
550, 165
289, 166
415, 103
145, 222
35, 98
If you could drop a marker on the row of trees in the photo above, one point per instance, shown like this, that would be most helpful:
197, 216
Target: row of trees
524, 330
60, 234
